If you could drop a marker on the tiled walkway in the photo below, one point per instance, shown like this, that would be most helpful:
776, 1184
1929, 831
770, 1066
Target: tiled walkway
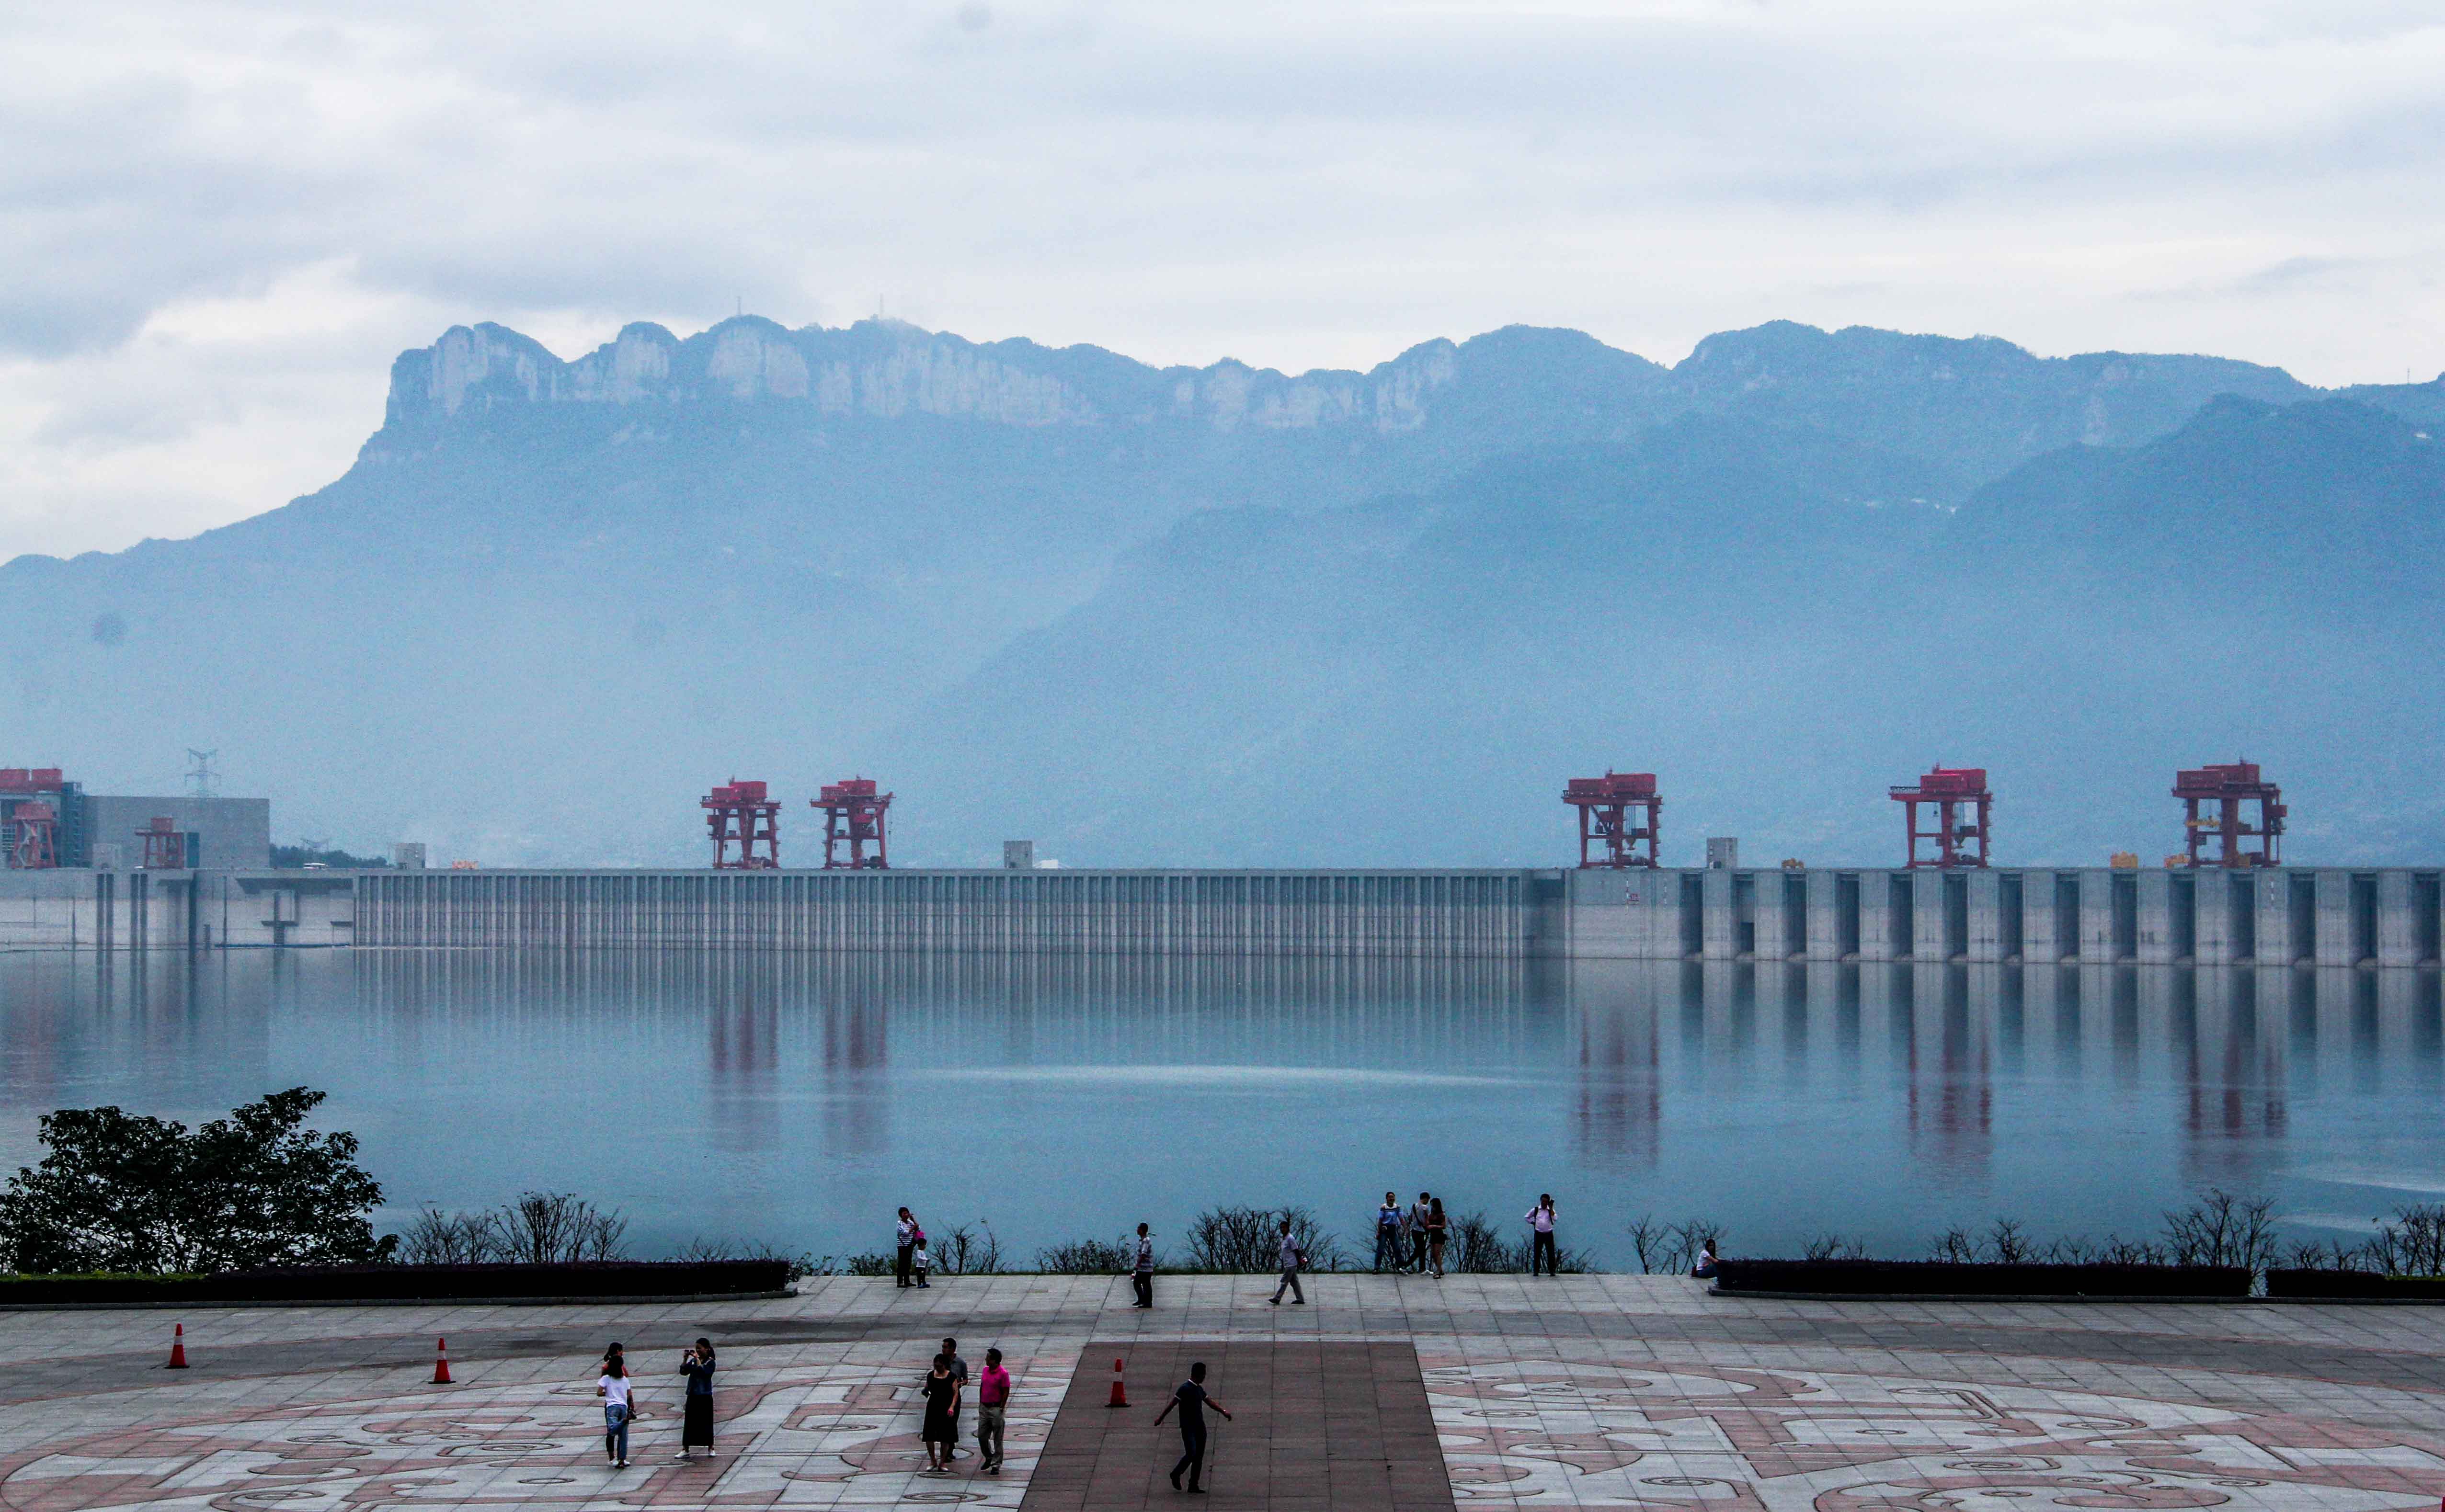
1589, 1392
1314, 1425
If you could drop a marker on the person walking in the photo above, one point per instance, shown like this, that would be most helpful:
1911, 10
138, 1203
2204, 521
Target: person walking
1388, 1233
1438, 1229
1142, 1272
1288, 1253
695, 1409
1541, 1246
993, 1402
618, 1392
942, 1391
906, 1236
1192, 1401
958, 1373
1418, 1234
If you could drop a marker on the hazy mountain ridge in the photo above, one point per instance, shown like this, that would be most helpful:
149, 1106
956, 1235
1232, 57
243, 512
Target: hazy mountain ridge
552, 601
1556, 613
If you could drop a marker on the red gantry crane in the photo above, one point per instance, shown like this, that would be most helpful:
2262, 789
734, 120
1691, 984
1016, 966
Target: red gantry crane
33, 837
852, 820
1963, 811
1620, 816
740, 813
2223, 790
165, 848
30, 825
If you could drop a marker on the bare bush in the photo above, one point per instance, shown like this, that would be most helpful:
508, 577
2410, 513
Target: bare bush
873, 1264
540, 1228
556, 1229
1671, 1249
1954, 1246
1089, 1257
969, 1249
2120, 1251
1248, 1240
2008, 1243
2075, 1249
2222, 1229
2411, 1242
436, 1237
1834, 1246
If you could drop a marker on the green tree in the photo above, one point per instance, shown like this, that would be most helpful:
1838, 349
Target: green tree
122, 1191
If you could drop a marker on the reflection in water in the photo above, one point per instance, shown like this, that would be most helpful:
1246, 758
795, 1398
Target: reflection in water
801, 1097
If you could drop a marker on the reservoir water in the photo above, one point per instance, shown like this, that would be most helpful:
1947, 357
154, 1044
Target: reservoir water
797, 1099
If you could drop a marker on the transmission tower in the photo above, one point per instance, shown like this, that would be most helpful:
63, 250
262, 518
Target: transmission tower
202, 781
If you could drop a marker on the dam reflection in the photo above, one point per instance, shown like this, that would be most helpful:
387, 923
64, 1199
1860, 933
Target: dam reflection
798, 1094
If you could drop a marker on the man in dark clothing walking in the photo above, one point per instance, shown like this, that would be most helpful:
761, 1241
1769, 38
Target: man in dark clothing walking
958, 1373
1142, 1274
1192, 1401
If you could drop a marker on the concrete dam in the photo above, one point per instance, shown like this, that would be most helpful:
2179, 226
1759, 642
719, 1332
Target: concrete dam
2265, 916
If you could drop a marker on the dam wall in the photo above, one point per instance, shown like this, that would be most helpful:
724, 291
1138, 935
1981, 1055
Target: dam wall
2275, 916
2382, 917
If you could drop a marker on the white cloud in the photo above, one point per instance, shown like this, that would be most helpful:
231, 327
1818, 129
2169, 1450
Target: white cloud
219, 221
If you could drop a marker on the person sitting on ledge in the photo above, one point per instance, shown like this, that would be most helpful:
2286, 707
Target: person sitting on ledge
1705, 1267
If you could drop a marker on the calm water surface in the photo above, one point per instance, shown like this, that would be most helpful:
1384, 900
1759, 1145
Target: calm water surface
800, 1099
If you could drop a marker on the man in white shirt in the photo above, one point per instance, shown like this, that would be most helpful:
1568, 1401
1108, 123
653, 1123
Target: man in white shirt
1142, 1274
1288, 1253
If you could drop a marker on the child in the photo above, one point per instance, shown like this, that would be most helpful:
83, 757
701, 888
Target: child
922, 1259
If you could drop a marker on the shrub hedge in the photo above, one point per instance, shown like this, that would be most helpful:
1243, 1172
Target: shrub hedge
1953, 1278
408, 1282
2352, 1285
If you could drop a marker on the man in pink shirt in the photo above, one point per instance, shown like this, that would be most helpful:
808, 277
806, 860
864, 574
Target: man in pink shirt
993, 1397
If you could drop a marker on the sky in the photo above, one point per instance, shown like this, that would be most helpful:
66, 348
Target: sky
220, 222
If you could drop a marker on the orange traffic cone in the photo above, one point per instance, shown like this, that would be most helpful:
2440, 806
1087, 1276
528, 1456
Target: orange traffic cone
1121, 1395
177, 1350
441, 1362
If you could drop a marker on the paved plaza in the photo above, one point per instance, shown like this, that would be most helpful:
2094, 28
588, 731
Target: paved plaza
1498, 1391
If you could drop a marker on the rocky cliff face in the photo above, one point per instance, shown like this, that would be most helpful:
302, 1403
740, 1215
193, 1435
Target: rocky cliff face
884, 369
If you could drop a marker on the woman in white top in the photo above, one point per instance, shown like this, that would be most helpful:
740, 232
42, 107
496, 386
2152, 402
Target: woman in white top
618, 1390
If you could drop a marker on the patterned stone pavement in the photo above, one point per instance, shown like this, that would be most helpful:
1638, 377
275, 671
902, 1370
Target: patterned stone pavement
1595, 1391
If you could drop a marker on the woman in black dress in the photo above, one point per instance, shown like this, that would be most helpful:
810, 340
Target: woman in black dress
695, 1426
941, 1397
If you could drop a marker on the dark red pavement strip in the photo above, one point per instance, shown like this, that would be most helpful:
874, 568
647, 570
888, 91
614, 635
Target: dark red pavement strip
2414, 1366
1314, 1425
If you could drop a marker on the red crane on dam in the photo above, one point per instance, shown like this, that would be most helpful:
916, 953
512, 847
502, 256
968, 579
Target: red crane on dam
852, 820
30, 825
2224, 791
1963, 810
1620, 816
739, 814
165, 848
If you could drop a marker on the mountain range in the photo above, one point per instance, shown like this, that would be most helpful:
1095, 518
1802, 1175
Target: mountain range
1233, 616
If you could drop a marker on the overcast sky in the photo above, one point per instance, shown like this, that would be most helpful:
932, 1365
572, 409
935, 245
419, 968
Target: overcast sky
220, 221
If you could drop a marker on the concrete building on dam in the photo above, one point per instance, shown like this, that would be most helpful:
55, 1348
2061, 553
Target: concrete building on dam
2264, 916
